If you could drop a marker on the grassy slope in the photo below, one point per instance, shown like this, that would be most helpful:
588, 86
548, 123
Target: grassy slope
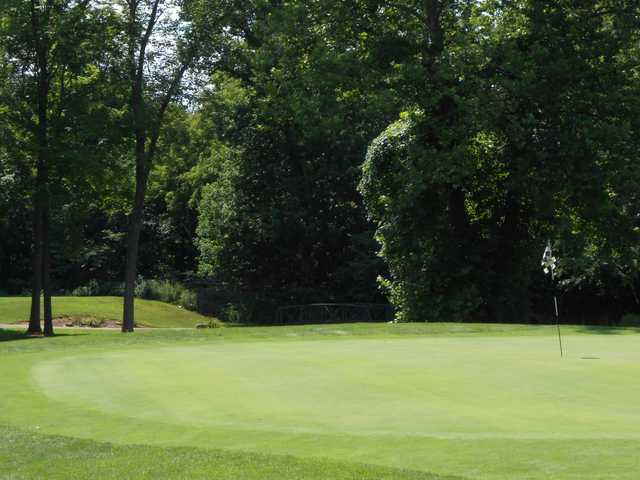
149, 313
588, 455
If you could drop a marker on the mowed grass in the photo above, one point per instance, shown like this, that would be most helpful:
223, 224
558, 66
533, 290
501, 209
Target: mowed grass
337, 401
149, 313
27, 455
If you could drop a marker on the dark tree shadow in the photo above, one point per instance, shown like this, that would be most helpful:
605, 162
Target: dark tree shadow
9, 335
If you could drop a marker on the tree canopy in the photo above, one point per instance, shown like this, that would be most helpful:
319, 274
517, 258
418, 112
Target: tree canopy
416, 152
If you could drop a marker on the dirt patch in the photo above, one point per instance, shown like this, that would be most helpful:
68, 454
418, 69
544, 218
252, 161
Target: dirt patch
82, 321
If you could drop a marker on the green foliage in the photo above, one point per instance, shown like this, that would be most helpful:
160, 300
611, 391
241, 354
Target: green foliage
189, 300
486, 128
242, 312
92, 322
280, 218
89, 290
166, 291
423, 283
512, 139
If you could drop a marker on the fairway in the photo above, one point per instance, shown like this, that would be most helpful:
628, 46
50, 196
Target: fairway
473, 406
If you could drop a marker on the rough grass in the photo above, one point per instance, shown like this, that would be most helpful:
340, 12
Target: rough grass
28, 455
149, 313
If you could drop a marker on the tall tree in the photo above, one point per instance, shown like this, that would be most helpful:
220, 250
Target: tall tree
37, 25
57, 106
512, 138
290, 123
41, 19
165, 39
415, 175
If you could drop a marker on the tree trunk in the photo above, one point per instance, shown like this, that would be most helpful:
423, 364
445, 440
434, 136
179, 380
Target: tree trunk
145, 145
458, 219
41, 194
46, 266
34, 319
133, 241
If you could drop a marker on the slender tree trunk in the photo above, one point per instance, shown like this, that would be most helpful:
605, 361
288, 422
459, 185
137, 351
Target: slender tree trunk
34, 319
136, 73
145, 145
445, 110
5, 263
133, 241
46, 266
458, 218
41, 196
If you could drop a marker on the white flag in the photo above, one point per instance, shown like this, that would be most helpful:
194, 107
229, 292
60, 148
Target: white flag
548, 260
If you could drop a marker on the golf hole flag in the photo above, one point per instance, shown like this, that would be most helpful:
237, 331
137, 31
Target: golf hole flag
548, 266
548, 260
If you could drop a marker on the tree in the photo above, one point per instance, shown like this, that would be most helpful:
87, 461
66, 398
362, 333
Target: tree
510, 139
281, 221
416, 173
164, 40
35, 59
59, 110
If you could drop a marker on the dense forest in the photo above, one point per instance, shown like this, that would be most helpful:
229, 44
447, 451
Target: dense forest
417, 152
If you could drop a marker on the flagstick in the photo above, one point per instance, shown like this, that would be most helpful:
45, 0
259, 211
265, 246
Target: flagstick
555, 303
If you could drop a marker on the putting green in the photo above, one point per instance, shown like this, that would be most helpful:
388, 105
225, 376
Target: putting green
479, 407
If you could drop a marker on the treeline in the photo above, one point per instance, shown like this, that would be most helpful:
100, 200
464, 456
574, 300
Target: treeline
328, 151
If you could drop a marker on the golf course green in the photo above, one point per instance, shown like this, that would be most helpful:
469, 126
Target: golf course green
473, 403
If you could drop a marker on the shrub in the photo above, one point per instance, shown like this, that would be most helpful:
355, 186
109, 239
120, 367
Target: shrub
166, 291
82, 321
189, 300
213, 323
241, 312
94, 288
89, 290
143, 288
162, 290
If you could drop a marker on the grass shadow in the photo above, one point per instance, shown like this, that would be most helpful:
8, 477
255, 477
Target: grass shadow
9, 335
601, 330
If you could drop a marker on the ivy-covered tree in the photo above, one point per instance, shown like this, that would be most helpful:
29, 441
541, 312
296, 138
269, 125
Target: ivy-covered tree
524, 120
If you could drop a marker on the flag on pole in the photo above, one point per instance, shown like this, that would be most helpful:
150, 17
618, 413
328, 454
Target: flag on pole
548, 264
548, 260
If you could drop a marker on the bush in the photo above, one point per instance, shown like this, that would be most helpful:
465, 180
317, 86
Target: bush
213, 323
89, 290
94, 288
240, 312
166, 291
161, 290
144, 288
189, 300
